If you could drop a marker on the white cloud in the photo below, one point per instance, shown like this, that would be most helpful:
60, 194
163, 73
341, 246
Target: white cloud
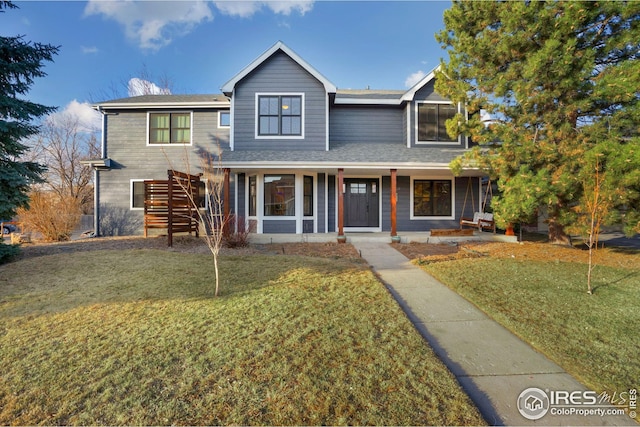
414, 78
137, 87
245, 9
87, 119
153, 24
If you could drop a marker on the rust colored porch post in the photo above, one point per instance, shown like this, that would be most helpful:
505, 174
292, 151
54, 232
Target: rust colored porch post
341, 238
226, 201
394, 201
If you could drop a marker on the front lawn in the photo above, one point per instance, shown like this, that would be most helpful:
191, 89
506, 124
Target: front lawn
135, 337
539, 292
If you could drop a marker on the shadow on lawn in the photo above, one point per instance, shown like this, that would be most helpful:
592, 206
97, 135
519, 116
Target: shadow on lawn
59, 283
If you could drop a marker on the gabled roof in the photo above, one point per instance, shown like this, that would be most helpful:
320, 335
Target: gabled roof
166, 101
227, 88
408, 95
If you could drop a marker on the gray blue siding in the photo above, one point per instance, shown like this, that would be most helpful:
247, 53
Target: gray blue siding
133, 159
366, 124
280, 74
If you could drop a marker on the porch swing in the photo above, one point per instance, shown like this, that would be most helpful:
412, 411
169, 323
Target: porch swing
481, 220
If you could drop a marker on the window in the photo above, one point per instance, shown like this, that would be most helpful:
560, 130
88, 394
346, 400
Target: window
308, 196
253, 195
431, 198
224, 119
169, 128
279, 115
431, 122
137, 194
279, 195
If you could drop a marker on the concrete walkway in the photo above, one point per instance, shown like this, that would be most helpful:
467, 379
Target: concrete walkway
492, 365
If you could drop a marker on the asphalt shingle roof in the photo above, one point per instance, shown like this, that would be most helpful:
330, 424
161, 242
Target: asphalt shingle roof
345, 153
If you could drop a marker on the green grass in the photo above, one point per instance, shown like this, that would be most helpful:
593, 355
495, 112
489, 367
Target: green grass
593, 337
135, 337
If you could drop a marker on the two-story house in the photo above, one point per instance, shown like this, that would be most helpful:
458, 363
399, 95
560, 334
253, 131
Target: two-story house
301, 155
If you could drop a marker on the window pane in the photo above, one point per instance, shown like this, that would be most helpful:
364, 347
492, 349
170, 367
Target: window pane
225, 119
159, 136
308, 196
252, 195
422, 198
269, 105
137, 196
445, 112
291, 105
427, 122
279, 195
159, 121
181, 136
158, 128
291, 126
442, 198
268, 125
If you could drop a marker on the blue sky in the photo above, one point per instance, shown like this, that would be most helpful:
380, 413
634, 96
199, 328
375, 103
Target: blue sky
199, 45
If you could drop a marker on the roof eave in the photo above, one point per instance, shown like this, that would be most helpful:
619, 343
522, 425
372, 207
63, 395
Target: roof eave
409, 94
159, 105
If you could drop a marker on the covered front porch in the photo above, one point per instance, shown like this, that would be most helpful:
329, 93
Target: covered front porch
305, 199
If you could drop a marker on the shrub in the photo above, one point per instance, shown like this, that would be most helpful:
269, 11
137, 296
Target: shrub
117, 221
7, 252
53, 216
236, 232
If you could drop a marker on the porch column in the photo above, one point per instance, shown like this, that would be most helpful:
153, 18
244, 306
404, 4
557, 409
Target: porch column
340, 205
394, 200
227, 196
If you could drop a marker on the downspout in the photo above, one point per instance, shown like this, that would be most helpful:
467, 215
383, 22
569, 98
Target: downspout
96, 176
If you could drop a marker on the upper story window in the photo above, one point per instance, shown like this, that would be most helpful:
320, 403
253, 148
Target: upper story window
431, 119
279, 115
169, 128
224, 119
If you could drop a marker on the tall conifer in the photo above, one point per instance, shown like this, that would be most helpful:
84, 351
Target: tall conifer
557, 79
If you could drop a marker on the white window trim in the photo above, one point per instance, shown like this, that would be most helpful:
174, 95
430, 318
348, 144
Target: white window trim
415, 127
131, 181
257, 115
149, 144
220, 125
412, 216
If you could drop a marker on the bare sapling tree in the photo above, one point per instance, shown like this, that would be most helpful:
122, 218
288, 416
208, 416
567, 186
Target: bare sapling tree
210, 205
594, 204
594, 209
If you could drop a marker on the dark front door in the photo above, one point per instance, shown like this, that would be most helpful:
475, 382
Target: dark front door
361, 207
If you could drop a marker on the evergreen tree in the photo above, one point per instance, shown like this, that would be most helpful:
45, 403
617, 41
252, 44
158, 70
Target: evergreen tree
557, 80
20, 63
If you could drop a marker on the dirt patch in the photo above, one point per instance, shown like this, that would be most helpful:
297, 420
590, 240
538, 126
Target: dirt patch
188, 244
523, 251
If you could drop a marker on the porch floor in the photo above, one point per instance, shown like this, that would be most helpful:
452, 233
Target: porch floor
405, 237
